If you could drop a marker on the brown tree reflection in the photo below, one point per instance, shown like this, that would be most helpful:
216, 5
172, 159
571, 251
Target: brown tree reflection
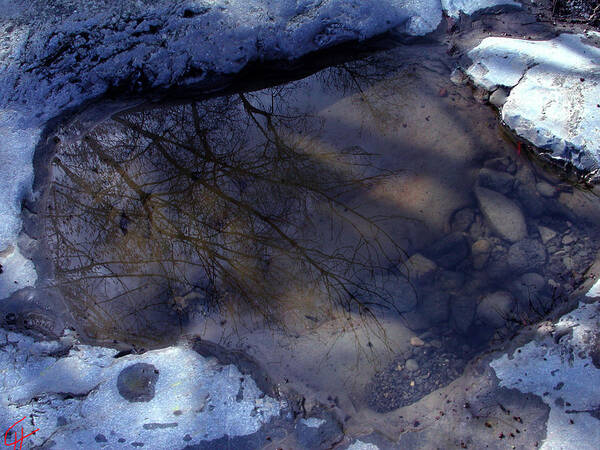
225, 204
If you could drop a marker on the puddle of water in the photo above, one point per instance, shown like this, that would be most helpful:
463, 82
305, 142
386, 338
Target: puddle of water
319, 227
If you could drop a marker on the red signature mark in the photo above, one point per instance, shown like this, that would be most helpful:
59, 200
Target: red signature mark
519, 148
17, 441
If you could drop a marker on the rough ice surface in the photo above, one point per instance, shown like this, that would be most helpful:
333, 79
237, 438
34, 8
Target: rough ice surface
555, 90
454, 7
75, 403
558, 367
16, 173
17, 271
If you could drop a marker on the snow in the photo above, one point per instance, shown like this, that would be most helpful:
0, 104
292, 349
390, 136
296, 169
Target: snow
360, 445
594, 290
194, 396
560, 371
454, 7
18, 272
555, 90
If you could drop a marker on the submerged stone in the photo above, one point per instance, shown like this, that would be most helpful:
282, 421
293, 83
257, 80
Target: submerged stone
481, 252
498, 97
546, 234
526, 255
495, 308
529, 291
418, 267
546, 189
451, 250
434, 306
502, 214
495, 180
462, 313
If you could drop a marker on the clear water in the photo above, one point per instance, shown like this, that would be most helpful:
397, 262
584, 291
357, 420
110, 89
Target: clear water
317, 226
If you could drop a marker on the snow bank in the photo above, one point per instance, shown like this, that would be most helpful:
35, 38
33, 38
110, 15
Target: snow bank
75, 401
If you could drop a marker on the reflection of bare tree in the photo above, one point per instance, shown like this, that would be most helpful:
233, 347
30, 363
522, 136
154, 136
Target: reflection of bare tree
226, 198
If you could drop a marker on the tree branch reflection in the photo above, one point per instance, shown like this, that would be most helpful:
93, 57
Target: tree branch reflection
227, 202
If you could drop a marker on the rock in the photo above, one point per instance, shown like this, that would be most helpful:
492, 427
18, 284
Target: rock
462, 313
497, 267
401, 292
546, 234
498, 97
495, 308
462, 219
450, 281
434, 306
502, 214
481, 252
411, 365
568, 262
416, 321
416, 342
501, 164
451, 250
458, 77
495, 180
478, 229
481, 95
418, 267
529, 291
136, 382
530, 199
526, 255
569, 239
554, 106
390, 288
436, 343
546, 189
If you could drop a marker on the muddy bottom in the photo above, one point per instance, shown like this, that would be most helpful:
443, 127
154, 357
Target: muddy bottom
359, 234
